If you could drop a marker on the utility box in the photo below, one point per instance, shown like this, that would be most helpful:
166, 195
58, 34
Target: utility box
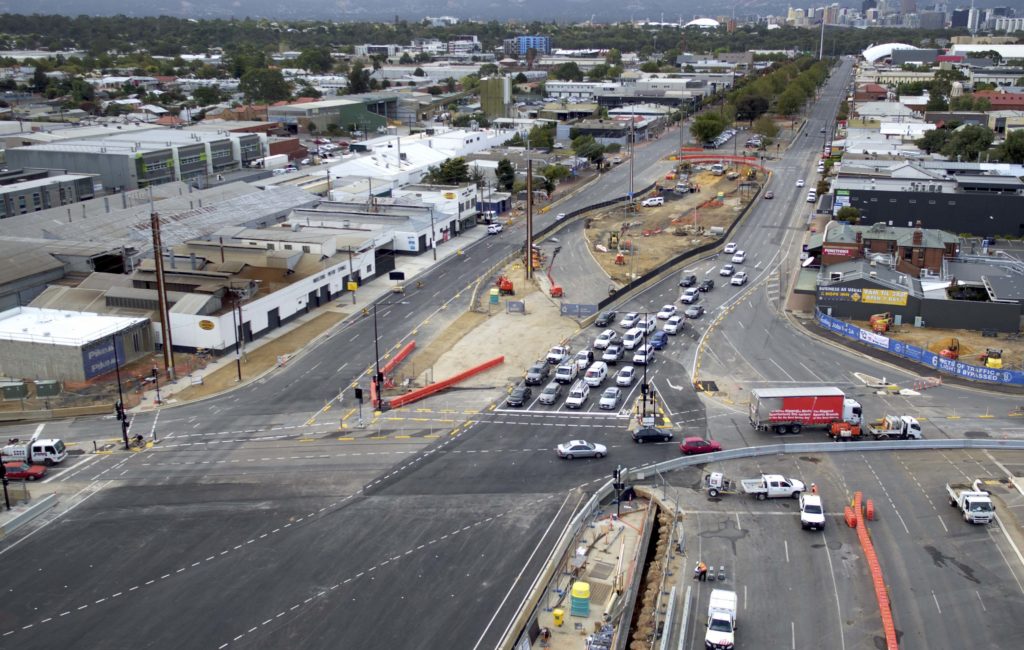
13, 390
47, 388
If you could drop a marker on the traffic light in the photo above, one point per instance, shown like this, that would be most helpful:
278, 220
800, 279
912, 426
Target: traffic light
359, 394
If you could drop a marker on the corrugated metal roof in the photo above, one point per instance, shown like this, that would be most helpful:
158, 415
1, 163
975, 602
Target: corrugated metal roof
824, 391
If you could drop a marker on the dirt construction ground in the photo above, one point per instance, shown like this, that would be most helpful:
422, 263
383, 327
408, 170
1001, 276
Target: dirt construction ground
972, 343
662, 232
475, 337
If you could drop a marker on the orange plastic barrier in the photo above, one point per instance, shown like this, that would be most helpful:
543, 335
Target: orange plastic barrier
398, 358
374, 399
881, 592
426, 391
849, 517
869, 510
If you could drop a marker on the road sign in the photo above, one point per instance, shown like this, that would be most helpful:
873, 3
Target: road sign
576, 310
515, 307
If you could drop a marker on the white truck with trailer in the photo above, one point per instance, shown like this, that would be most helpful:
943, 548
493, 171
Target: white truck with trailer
895, 426
975, 504
772, 486
277, 161
45, 451
721, 632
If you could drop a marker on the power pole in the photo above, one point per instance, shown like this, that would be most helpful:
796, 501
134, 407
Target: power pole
529, 217
161, 291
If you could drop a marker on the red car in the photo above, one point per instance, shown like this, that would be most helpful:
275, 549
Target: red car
18, 470
698, 445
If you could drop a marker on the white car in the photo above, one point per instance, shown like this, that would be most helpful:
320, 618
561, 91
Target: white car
643, 355
494, 229
558, 354
690, 296
674, 325
625, 376
610, 398
730, 248
630, 320
559, 216
740, 257
727, 270
648, 325
605, 338
667, 312
739, 279
800, 183
653, 201
581, 449
812, 514
812, 197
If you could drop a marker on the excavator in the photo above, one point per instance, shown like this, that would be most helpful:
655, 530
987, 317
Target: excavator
993, 358
951, 351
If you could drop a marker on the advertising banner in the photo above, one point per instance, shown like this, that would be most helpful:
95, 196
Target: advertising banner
99, 358
866, 295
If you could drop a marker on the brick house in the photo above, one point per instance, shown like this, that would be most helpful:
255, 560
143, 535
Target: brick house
909, 250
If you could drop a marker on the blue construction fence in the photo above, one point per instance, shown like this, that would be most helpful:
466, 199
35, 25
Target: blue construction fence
919, 355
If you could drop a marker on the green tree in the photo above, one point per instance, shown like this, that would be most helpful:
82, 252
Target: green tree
933, 141
451, 172
613, 57
1012, 148
936, 102
707, 126
206, 95
359, 79
405, 59
487, 70
790, 102
849, 214
521, 78
568, 71
765, 126
967, 142
585, 146
39, 79
750, 107
264, 86
505, 174
317, 60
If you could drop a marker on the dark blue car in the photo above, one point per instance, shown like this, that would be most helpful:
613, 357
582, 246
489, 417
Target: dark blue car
659, 340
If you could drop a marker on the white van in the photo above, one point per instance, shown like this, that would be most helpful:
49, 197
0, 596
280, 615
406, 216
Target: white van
578, 395
632, 338
566, 373
596, 374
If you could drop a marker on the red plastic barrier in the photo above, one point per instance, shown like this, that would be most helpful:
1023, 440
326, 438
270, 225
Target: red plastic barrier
398, 358
877, 578
374, 399
426, 391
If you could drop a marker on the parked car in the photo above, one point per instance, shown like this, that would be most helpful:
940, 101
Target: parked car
551, 393
659, 340
537, 374
674, 325
812, 196
643, 355
581, 449
20, 470
690, 296
727, 270
605, 319
610, 398
519, 396
650, 434
740, 257
605, 338
630, 320
667, 311
612, 354
694, 311
800, 183
687, 280
653, 201
494, 228
739, 279
697, 445
730, 248
625, 376
706, 285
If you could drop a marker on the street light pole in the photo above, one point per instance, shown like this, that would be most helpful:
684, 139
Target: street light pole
121, 415
376, 356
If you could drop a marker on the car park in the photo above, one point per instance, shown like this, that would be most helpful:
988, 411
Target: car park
706, 285
697, 445
581, 449
605, 319
551, 393
494, 229
605, 338
629, 320
727, 270
730, 248
740, 257
674, 325
519, 395
596, 374
612, 354
651, 434
610, 398
687, 280
578, 395
21, 471
695, 311
643, 355
666, 312
800, 183
566, 373
739, 279
583, 359
653, 201
690, 296
537, 374
659, 340
625, 376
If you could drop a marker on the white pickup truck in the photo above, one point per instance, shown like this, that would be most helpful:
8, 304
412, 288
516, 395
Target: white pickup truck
974, 503
772, 486
721, 632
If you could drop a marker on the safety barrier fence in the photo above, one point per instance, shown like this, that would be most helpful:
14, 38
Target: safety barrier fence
859, 521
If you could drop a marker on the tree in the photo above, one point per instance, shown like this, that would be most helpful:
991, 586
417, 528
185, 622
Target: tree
358, 79
751, 107
405, 59
451, 172
39, 79
206, 95
568, 71
418, 72
936, 102
1012, 148
707, 126
790, 102
613, 57
264, 86
933, 141
765, 126
521, 78
505, 174
531, 56
967, 142
585, 146
849, 214
487, 69
317, 60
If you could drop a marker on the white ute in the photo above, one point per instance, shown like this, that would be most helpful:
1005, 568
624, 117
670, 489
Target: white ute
812, 513
772, 486
974, 503
721, 632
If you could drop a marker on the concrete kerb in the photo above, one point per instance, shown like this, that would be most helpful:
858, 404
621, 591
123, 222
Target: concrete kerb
16, 521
